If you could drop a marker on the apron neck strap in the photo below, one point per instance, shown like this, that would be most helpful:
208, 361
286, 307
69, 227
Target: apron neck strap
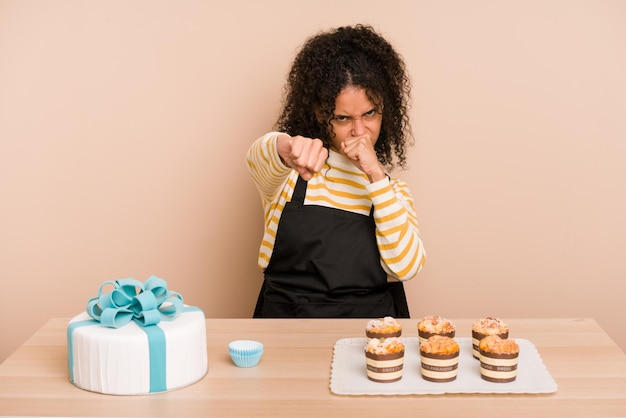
299, 191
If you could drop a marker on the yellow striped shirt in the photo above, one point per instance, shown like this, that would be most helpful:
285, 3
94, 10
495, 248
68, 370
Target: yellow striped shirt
340, 185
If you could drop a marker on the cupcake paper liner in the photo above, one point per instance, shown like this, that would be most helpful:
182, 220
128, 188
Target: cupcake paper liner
245, 353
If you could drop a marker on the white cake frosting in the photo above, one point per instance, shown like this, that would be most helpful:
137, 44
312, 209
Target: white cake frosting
135, 359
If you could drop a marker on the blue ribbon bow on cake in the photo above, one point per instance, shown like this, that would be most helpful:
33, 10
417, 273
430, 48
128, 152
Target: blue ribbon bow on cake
131, 300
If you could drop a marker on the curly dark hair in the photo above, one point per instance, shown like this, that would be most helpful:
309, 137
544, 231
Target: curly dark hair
348, 56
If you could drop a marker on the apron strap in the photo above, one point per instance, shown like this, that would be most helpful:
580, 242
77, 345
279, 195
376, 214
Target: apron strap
300, 191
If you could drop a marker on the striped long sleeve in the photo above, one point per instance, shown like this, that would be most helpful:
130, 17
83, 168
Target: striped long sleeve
340, 185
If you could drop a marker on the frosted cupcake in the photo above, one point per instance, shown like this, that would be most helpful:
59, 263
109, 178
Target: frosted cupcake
439, 357
386, 327
434, 325
384, 359
498, 359
482, 328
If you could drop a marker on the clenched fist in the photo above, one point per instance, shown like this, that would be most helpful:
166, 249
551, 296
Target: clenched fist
305, 155
361, 151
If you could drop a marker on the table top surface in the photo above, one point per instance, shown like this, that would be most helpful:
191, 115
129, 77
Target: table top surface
293, 377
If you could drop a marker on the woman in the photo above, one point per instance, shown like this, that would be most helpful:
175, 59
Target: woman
340, 234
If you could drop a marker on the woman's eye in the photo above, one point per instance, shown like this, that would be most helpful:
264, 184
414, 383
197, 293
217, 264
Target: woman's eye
341, 118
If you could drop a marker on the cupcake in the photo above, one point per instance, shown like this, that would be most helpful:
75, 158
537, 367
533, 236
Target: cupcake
384, 359
498, 359
386, 327
484, 327
434, 325
439, 357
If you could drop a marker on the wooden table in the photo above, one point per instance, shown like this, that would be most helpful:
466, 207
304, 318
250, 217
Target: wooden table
293, 378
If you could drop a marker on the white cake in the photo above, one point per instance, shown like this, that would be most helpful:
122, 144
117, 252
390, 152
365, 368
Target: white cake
136, 359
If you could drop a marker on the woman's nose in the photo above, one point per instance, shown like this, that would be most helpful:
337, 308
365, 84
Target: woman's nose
358, 127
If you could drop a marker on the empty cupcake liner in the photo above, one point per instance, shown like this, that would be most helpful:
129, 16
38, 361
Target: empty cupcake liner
245, 353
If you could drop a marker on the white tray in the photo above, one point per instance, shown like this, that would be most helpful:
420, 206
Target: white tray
348, 375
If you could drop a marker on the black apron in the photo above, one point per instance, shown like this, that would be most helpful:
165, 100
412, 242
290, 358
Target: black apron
326, 264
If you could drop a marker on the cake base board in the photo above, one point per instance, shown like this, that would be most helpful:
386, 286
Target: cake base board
143, 394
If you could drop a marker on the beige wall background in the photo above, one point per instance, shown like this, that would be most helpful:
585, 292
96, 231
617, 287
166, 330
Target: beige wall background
124, 125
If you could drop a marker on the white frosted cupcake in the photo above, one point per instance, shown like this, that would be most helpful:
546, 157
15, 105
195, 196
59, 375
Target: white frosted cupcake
386, 327
384, 359
439, 357
498, 359
482, 328
434, 325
